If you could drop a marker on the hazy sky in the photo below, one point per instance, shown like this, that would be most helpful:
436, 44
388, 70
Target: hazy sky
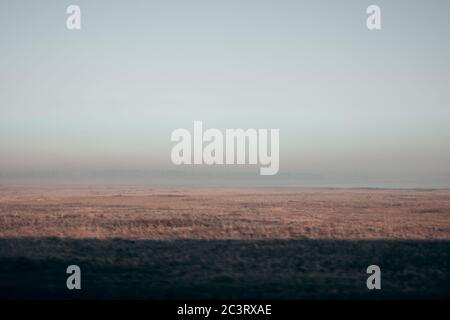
348, 101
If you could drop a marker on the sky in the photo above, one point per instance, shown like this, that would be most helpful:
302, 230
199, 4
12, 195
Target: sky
353, 106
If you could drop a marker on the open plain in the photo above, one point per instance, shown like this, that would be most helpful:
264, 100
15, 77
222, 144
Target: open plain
135, 242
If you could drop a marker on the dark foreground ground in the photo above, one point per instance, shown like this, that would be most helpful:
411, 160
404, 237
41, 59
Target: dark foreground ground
191, 269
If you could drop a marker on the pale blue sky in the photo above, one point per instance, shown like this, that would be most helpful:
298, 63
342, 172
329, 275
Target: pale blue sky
347, 101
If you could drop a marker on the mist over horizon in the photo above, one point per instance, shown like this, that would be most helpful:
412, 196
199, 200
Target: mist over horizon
206, 178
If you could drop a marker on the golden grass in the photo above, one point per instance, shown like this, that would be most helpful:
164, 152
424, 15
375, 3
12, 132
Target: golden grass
147, 214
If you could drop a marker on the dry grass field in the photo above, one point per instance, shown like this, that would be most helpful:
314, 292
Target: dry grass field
224, 243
